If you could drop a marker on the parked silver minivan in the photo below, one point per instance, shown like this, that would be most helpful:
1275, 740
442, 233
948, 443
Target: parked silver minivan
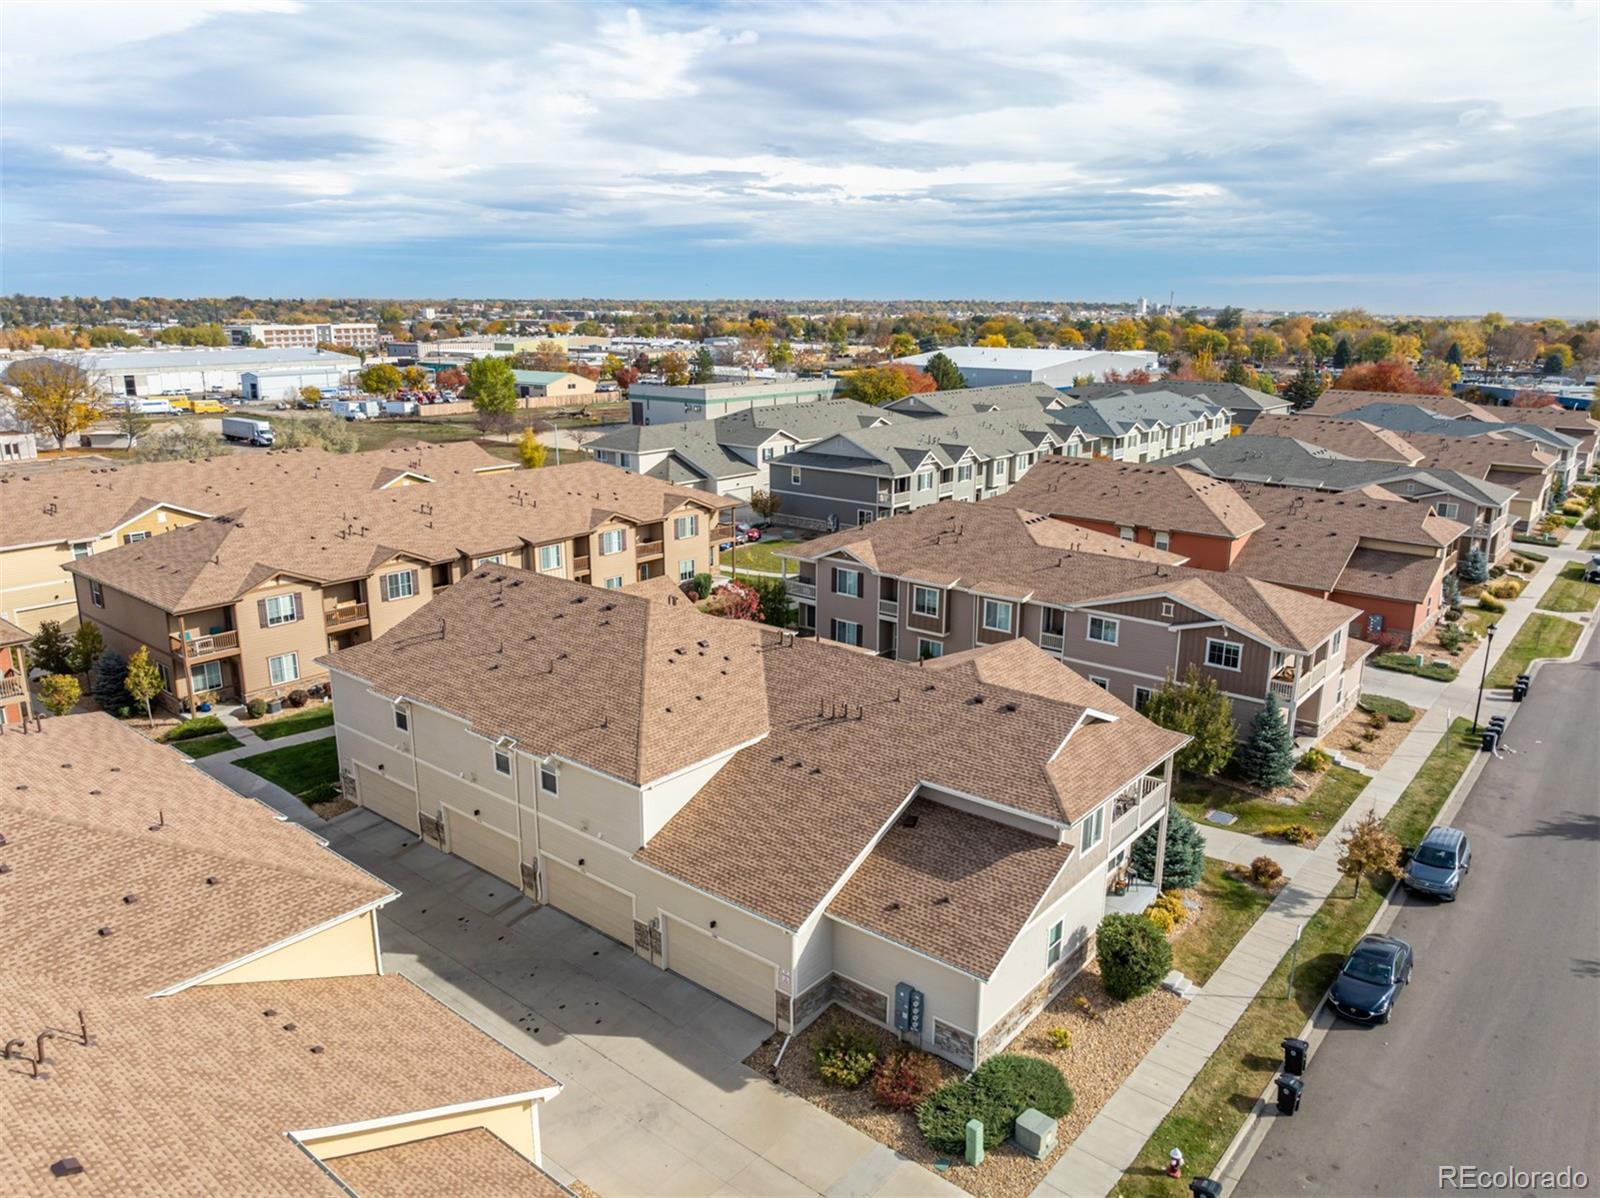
1442, 859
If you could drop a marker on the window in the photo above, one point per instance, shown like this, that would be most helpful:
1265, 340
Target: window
766, 453
1447, 510
1163, 540
1000, 471
614, 583
400, 585
1052, 955
686, 526
495, 559
549, 557
996, 615
80, 550
1338, 636
794, 476
685, 569
863, 517
135, 536
96, 595
547, 779
1125, 533
402, 720
846, 632
613, 540
208, 676
285, 667
279, 609
502, 762
1224, 655
946, 476
927, 648
1141, 697
1103, 683
925, 480
1166, 610
1103, 630
964, 472
1093, 828
847, 582
925, 601
129, 387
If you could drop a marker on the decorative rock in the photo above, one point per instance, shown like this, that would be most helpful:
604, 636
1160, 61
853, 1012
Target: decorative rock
1035, 1133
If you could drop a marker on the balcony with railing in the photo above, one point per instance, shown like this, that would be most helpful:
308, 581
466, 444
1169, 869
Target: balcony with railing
889, 609
650, 549
13, 688
800, 589
1290, 682
197, 646
339, 616
1051, 642
580, 565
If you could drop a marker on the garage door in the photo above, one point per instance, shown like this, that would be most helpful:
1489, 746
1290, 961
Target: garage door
591, 901
721, 968
482, 845
386, 797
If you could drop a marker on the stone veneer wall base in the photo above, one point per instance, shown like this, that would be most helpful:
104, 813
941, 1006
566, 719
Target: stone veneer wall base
1005, 1029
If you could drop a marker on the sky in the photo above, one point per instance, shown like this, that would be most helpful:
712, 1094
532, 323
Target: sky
1426, 159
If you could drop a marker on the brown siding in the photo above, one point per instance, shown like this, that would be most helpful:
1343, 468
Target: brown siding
1150, 609
1255, 662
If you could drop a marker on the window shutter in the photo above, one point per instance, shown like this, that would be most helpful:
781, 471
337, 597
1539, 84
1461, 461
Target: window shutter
261, 610
416, 583
299, 612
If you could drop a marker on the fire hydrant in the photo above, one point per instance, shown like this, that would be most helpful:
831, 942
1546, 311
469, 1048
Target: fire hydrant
1175, 1163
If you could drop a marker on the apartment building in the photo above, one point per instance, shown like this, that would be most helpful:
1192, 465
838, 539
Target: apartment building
356, 334
53, 517
1270, 454
1245, 404
16, 705
940, 581
765, 815
244, 604
1371, 550
196, 1001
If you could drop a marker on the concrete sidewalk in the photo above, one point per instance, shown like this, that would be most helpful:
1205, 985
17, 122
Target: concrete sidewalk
222, 767
1095, 1162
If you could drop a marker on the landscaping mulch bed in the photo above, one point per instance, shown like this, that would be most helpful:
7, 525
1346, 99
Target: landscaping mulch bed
1346, 738
1106, 1046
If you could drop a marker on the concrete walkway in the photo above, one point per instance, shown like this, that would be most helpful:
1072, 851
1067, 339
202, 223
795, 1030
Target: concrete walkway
1095, 1162
222, 767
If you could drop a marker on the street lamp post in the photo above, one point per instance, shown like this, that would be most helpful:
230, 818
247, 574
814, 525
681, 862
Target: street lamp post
1483, 678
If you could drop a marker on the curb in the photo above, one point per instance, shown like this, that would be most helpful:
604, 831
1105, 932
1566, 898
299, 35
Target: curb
1236, 1158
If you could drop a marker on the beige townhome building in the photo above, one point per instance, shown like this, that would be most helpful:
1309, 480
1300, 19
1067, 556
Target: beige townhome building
1127, 616
789, 823
195, 1002
244, 604
51, 517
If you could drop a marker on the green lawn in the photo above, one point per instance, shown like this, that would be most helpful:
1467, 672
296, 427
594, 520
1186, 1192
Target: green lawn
204, 746
1211, 1111
758, 555
301, 721
1591, 541
1406, 663
1229, 908
1318, 810
1541, 636
309, 771
1569, 592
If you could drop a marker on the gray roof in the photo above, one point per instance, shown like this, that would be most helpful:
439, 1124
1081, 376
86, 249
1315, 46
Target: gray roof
1413, 418
1236, 397
1122, 413
1285, 461
967, 400
219, 359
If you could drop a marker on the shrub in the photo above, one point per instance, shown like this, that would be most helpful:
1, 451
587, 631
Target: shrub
1406, 663
1379, 721
1081, 1001
1533, 555
297, 698
256, 708
1452, 638
1023, 1082
904, 1079
1186, 853
1592, 520
205, 725
943, 1116
1395, 709
844, 1054
1293, 833
1059, 1038
1264, 871
1474, 567
1572, 507
1169, 902
1369, 735
1487, 602
1314, 761
1162, 918
701, 585
1134, 956
60, 693
1452, 614
1504, 588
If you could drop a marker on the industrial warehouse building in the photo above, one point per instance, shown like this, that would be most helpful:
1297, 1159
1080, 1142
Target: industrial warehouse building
988, 366
183, 371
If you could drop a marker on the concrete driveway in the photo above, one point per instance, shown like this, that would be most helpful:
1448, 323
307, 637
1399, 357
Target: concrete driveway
656, 1100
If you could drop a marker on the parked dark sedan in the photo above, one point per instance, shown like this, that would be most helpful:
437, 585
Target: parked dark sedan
1371, 978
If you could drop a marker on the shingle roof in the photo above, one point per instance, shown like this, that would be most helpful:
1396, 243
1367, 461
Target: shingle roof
1153, 495
10, 634
636, 688
461, 1162
348, 536
92, 813
1236, 397
1352, 438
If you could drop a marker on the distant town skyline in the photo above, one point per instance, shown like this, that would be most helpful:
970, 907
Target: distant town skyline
1293, 157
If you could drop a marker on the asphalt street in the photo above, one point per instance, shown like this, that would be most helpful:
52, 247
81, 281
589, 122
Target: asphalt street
1493, 1055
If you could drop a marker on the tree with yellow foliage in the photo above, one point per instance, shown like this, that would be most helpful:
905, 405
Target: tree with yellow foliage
55, 397
530, 450
993, 341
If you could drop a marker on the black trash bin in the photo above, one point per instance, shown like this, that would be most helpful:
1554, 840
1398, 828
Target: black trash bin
1490, 738
1498, 723
1204, 1187
1519, 692
1289, 1089
1294, 1056
1525, 681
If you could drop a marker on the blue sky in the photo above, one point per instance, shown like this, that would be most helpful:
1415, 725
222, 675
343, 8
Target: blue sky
1423, 159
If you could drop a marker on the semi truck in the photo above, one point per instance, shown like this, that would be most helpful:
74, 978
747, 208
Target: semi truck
242, 428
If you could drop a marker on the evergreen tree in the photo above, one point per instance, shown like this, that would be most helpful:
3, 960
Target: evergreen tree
945, 373
1186, 853
704, 368
1267, 758
1558, 493
1474, 567
1198, 708
108, 685
1452, 591
1453, 354
1342, 354
87, 646
1307, 385
1238, 372
51, 649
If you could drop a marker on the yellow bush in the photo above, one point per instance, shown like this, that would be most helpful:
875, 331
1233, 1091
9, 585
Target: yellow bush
1172, 906
1162, 918
1505, 588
